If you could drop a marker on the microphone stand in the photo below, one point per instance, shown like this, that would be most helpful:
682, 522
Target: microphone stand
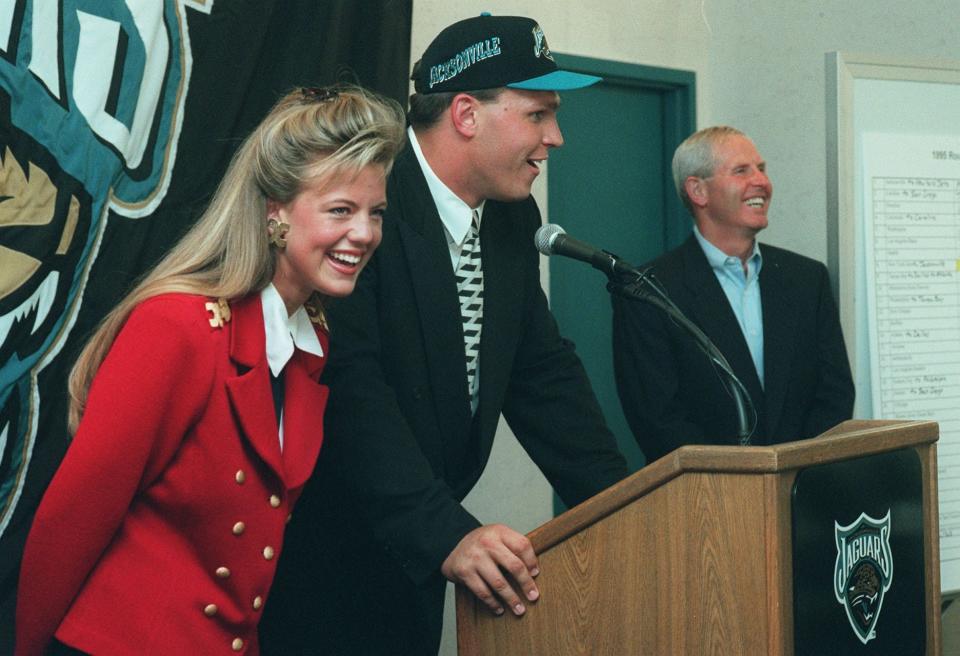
638, 285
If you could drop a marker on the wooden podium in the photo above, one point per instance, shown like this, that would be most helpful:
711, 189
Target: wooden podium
693, 554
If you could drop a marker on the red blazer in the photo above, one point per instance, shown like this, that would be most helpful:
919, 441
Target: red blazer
160, 531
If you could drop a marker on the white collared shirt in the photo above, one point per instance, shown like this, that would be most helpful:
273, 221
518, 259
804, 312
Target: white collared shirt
455, 215
283, 333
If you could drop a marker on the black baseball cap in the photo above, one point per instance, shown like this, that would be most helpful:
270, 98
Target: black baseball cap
487, 52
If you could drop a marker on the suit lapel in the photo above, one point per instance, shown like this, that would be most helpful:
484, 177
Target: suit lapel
713, 314
249, 390
435, 291
779, 320
502, 308
302, 416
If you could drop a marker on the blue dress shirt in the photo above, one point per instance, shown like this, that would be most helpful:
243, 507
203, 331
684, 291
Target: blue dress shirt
743, 293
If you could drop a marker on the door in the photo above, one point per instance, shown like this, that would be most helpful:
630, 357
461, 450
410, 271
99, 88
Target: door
610, 185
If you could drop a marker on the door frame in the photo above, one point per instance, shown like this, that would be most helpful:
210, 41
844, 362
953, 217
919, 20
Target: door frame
677, 90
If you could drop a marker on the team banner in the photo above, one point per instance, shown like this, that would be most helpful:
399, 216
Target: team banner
117, 120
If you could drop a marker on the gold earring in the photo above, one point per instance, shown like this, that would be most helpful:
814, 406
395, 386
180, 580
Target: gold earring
278, 232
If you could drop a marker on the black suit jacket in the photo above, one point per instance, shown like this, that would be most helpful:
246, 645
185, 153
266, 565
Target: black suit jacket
401, 446
668, 389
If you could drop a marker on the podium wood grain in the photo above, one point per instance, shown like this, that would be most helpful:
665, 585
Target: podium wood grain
690, 555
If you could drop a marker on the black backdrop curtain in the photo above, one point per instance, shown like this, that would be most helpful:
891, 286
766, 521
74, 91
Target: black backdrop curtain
226, 62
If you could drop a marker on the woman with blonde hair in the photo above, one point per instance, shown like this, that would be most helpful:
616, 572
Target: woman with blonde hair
196, 407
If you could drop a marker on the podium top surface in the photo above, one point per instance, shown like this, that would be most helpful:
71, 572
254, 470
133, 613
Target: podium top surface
851, 439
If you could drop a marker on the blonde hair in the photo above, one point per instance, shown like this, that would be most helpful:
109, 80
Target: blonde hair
696, 157
310, 134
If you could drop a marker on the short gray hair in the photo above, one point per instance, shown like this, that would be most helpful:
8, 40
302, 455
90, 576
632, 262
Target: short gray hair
696, 157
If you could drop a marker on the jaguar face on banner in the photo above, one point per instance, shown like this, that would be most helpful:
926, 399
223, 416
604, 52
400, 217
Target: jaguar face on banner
91, 103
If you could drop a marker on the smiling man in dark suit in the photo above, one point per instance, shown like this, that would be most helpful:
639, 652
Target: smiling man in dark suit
770, 312
447, 329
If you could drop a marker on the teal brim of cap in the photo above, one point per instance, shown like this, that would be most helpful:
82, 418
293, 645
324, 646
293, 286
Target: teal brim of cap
556, 81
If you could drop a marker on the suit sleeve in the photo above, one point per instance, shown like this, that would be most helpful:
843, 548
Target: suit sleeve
834, 395
149, 389
647, 376
375, 456
550, 404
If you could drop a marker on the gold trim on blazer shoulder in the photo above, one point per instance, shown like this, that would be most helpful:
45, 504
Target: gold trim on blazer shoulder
316, 314
220, 312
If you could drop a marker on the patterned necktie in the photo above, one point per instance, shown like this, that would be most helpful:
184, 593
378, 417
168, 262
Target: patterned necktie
469, 275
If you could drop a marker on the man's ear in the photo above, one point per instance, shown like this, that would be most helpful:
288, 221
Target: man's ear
696, 189
463, 113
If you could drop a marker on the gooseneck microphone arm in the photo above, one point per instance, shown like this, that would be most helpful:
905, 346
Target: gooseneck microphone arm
640, 286
627, 281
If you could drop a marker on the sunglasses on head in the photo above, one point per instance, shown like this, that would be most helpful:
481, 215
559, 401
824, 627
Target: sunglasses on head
319, 94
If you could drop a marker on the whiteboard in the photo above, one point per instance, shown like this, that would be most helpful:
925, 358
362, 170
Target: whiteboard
893, 186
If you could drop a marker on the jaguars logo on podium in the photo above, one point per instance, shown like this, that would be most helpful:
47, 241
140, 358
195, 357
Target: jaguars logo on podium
863, 571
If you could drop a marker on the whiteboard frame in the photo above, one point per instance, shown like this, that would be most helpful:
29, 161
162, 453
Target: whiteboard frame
842, 70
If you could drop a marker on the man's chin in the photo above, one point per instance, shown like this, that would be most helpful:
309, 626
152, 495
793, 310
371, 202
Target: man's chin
756, 225
512, 195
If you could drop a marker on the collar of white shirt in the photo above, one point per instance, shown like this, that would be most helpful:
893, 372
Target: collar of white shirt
719, 260
454, 213
284, 332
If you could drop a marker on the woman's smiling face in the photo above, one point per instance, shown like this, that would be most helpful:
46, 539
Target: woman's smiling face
334, 229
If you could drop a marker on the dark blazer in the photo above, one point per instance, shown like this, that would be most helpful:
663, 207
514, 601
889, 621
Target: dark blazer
174, 474
668, 389
402, 448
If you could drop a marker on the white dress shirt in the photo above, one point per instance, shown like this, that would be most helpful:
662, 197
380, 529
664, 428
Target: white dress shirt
456, 217
283, 333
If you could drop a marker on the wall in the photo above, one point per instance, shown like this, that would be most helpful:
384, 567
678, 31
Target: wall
760, 67
766, 65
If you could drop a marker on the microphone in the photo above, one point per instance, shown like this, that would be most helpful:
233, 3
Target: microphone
627, 281
551, 239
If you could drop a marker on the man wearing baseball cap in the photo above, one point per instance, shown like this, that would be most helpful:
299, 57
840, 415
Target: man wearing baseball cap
447, 329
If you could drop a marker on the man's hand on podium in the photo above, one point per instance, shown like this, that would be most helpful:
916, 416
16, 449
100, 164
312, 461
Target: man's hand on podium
482, 560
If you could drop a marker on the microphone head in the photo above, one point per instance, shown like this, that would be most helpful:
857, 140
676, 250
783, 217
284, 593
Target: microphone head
545, 237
